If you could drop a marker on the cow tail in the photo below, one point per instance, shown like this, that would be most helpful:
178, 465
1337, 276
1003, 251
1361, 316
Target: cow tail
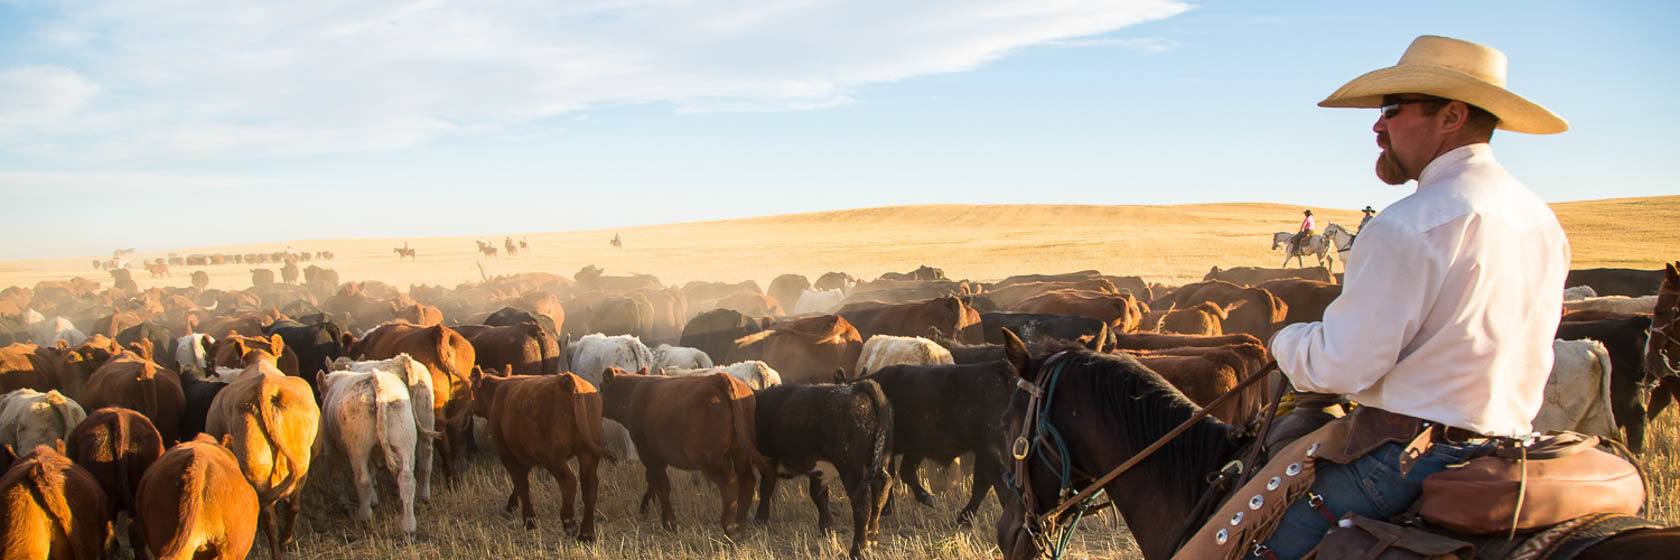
880, 459
266, 412
1603, 357
744, 410
148, 392
588, 426
380, 413
446, 359
192, 485
124, 495
53, 503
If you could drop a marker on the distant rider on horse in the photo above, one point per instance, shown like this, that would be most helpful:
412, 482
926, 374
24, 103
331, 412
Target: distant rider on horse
1302, 235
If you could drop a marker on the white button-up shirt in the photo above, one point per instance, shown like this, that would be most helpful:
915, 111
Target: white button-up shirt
1450, 303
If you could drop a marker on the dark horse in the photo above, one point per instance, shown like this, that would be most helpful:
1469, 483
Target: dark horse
1662, 349
1107, 408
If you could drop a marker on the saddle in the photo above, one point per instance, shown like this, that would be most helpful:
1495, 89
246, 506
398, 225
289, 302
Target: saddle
1559, 524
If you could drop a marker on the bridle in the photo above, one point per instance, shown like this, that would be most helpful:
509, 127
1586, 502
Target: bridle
1045, 528
1668, 337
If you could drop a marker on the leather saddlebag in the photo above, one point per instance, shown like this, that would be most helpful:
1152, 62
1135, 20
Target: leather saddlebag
1562, 476
1356, 537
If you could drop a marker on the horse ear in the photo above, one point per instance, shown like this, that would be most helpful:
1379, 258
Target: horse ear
1016, 352
1100, 340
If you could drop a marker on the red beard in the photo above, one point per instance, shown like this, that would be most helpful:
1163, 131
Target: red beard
1390, 170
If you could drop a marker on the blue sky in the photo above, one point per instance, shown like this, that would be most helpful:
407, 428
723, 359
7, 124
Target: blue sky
164, 125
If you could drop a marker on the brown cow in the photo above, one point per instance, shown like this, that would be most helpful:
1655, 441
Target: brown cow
1010, 295
110, 325
1307, 299
27, 366
1251, 276
51, 508
195, 503
116, 445
76, 365
947, 314
1203, 319
1253, 311
131, 380
752, 305
232, 351
518, 348
806, 350
702, 422
1206, 377
544, 421
251, 325
273, 421
420, 314
1120, 311
448, 356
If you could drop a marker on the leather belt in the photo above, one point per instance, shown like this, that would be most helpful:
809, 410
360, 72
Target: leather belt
1451, 434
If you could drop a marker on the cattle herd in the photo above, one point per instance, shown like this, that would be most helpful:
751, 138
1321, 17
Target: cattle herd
199, 413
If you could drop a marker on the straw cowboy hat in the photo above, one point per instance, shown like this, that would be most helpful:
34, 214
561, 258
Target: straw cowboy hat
1452, 69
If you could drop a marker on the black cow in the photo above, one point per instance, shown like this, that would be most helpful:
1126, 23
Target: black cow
315, 344
850, 427
1617, 281
946, 411
1625, 339
714, 332
159, 337
508, 316
199, 394
299, 308
1032, 326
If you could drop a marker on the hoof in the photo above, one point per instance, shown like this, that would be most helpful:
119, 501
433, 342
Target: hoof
569, 526
530, 524
965, 519
669, 525
588, 536
925, 499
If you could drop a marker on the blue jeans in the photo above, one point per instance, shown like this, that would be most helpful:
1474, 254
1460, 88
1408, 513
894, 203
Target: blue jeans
1370, 486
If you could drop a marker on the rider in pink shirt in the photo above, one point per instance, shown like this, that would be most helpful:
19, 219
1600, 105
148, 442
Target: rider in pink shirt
1306, 230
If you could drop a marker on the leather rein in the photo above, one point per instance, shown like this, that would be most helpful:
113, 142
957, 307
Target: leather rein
1667, 332
1036, 423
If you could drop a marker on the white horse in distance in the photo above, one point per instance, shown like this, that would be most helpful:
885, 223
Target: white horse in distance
1315, 245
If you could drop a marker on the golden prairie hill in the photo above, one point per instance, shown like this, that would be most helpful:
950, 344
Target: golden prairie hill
1171, 244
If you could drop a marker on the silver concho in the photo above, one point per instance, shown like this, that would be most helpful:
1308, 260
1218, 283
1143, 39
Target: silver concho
1256, 502
1236, 519
1274, 483
1294, 469
1221, 536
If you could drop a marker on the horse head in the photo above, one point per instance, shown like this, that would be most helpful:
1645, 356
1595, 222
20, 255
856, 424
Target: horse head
1122, 408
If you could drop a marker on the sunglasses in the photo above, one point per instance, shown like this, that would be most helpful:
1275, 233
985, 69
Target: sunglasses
1390, 110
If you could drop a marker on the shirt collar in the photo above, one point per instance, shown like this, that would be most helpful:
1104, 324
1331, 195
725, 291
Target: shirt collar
1451, 161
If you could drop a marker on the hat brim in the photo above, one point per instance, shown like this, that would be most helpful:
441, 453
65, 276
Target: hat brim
1515, 113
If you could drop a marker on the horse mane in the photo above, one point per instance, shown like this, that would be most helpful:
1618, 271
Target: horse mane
1137, 406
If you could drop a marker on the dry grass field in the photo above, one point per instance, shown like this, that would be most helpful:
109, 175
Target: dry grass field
1169, 244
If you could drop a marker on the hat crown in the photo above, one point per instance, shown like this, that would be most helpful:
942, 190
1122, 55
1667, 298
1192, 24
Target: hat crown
1480, 61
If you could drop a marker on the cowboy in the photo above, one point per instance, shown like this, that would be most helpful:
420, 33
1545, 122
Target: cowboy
1302, 235
1437, 321
1369, 213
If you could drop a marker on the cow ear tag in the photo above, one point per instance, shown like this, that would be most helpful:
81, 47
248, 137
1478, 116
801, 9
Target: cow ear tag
1019, 450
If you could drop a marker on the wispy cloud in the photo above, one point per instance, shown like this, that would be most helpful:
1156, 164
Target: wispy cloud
76, 183
1146, 44
134, 82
